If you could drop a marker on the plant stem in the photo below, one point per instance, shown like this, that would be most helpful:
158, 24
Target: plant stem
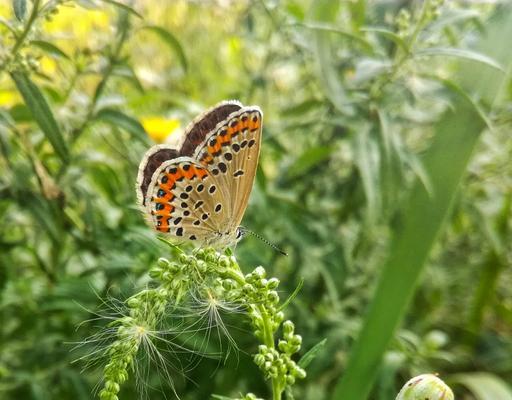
268, 334
268, 340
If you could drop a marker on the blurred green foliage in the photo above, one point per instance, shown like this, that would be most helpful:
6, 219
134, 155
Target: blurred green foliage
352, 93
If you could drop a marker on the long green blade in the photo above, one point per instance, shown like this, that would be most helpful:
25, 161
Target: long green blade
41, 113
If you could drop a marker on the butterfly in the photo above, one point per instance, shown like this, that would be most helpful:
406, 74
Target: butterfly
198, 190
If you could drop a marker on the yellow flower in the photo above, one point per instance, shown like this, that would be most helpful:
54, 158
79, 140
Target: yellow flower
159, 128
8, 98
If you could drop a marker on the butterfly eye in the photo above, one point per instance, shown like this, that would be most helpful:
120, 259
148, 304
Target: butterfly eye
239, 233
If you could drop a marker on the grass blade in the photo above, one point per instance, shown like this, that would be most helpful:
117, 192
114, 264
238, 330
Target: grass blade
460, 53
120, 119
325, 12
172, 42
41, 113
420, 221
50, 48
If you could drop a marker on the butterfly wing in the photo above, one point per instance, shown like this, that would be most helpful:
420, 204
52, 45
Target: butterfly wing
231, 152
204, 196
184, 200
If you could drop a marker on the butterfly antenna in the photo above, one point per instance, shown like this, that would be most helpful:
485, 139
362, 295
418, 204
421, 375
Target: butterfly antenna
267, 242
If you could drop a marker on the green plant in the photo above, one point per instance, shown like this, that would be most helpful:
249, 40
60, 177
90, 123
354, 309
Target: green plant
354, 93
215, 281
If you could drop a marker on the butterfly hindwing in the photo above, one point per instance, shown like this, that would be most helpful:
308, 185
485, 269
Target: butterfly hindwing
184, 200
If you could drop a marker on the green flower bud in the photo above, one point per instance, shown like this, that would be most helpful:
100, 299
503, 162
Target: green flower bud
298, 372
273, 297
426, 386
106, 395
288, 328
224, 262
133, 302
296, 340
202, 266
112, 387
273, 283
155, 272
260, 272
259, 360
163, 262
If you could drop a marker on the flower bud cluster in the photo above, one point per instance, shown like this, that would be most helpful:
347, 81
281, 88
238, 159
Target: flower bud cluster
260, 293
403, 23
433, 9
217, 278
278, 363
146, 309
121, 353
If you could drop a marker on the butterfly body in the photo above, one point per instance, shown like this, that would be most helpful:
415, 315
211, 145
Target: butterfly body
199, 191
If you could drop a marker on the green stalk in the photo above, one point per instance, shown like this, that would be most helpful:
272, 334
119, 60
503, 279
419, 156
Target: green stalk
269, 342
420, 221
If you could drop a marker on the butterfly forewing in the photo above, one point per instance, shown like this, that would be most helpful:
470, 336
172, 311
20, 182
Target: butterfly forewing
231, 155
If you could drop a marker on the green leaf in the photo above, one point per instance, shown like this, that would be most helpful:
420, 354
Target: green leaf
172, 42
452, 17
459, 53
50, 48
310, 355
124, 7
367, 159
292, 296
20, 9
483, 386
419, 221
387, 34
41, 113
119, 119
125, 71
319, 26
325, 12
309, 159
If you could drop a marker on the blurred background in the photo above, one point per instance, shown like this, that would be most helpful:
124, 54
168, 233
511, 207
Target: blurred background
351, 93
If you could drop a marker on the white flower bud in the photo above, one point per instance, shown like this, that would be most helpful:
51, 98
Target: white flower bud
426, 386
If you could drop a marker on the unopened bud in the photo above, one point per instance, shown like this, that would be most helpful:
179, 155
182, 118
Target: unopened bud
426, 386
